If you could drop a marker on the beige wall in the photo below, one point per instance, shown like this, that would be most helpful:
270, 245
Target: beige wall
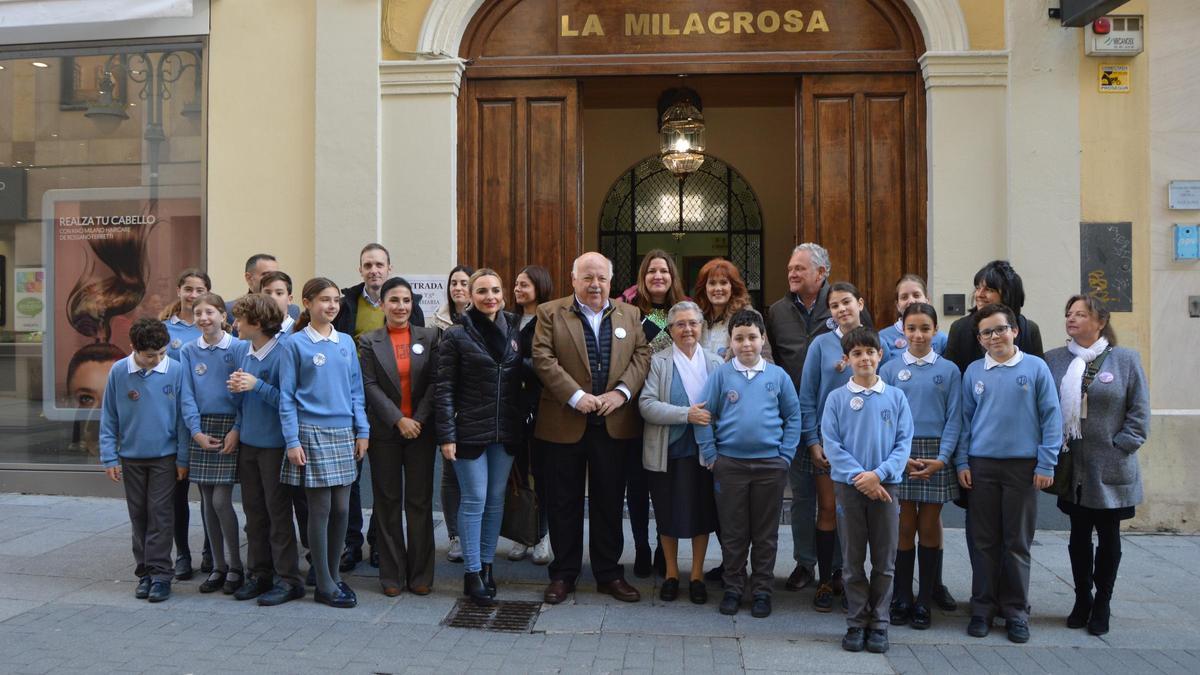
757, 142
261, 137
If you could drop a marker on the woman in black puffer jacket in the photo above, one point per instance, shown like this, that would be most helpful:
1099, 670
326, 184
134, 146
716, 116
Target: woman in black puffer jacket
479, 422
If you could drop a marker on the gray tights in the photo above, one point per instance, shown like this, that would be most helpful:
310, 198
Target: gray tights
328, 512
221, 525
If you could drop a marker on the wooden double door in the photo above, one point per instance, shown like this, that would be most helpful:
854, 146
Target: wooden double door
859, 187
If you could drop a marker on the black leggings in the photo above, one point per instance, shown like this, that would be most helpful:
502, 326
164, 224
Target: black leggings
328, 511
1107, 525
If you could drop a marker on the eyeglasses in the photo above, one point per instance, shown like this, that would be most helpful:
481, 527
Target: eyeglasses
686, 324
998, 330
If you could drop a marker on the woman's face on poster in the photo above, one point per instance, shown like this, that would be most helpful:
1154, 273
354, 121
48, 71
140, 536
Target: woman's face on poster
86, 388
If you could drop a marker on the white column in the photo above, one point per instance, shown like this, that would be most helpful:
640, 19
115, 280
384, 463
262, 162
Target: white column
965, 134
346, 193
418, 151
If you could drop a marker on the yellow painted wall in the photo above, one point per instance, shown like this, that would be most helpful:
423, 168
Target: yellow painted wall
260, 131
985, 23
401, 26
1114, 157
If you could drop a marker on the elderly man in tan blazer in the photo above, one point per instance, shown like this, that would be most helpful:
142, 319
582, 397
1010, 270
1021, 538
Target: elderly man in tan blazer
592, 357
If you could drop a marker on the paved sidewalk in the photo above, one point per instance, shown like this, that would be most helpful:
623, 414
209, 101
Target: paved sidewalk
66, 605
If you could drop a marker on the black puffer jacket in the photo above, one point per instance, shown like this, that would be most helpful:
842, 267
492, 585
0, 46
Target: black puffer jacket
479, 384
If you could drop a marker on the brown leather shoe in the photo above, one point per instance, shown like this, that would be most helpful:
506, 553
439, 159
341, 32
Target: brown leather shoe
391, 591
420, 590
557, 592
620, 589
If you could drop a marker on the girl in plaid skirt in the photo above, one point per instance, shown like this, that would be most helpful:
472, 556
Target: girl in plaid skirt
932, 385
209, 410
325, 430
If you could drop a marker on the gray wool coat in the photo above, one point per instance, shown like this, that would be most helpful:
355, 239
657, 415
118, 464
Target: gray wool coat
658, 413
1105, 472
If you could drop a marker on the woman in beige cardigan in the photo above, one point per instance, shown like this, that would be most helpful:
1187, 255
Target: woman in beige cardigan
681, 488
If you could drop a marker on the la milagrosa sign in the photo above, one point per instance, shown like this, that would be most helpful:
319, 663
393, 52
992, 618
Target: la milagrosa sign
671, 24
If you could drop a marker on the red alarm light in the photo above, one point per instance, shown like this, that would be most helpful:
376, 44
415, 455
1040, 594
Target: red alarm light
1102, 26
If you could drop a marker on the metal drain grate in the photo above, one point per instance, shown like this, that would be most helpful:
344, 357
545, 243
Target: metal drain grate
508, 616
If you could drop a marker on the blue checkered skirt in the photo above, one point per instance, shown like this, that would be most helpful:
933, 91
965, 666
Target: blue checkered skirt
941, 487
329, 456
804, 458
208, 466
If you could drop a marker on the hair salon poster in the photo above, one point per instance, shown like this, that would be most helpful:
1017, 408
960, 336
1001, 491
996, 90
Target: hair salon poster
112, 255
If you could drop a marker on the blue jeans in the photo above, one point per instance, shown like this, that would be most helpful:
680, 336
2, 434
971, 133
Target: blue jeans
481, 508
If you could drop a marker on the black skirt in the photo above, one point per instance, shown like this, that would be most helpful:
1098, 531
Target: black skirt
1073, 509
684, 506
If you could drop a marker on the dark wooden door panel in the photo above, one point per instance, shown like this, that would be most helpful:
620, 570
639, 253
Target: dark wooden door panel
519, 149
860, 192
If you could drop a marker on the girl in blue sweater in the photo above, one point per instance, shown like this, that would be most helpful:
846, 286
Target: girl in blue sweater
933, 387
209, 411
826, 369
909, 289
325, 430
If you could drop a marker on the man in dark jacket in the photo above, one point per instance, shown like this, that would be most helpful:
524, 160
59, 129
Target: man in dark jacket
256, 266
793, 322
361, 312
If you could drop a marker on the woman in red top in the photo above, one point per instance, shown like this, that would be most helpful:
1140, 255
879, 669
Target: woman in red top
398, 364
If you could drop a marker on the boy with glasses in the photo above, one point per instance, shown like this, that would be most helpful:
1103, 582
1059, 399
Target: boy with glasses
1007, 451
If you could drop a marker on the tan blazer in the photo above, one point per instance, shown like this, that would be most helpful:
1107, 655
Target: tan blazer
561, 363
381, 379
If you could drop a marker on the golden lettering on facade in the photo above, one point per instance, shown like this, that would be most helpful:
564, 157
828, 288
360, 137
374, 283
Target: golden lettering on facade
697, 23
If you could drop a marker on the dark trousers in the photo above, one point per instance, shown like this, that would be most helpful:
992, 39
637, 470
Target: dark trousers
1003, 517
598, 460
637, 495
402, 482
270, 533
150, 496
300, 507
530, 460
864, 522
749, 494
354, 533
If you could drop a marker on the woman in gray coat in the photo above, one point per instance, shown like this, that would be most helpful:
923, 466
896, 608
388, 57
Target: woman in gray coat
681, 488
1106, 412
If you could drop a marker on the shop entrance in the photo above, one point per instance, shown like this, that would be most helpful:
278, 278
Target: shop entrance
824, 129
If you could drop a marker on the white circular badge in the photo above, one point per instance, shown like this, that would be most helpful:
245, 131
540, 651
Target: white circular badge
856, 403
319, 359
176, 343
900, 343
904, 375
418, 349
979, 388
620, 333
201, 369
1105, 377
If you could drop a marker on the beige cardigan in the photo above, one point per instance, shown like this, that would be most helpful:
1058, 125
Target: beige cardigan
658, 414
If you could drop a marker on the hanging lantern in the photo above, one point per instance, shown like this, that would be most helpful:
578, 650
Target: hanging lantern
681, 130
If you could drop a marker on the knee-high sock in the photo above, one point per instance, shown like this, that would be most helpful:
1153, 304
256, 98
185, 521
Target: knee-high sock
825, 542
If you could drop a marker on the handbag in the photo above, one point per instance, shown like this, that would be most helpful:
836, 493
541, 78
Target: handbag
1064, 471
520, 522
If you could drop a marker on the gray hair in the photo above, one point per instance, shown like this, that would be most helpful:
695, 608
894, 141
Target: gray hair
818, 254
684, 306
575, 264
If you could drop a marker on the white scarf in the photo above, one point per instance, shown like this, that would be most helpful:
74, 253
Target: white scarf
1070, 390
693, 372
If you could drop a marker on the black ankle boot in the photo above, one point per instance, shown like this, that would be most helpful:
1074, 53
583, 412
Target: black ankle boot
489, 582
901, 609
474, 589
1105, 577
1081, 570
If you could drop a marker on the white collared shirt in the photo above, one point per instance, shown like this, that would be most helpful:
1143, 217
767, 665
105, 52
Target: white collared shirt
750, 371
838, 332
927, 360
857, 388
224, 343
176, 320
592, 317
317, 337
989, 362
266, 349
693, 372
135, 368
287, 324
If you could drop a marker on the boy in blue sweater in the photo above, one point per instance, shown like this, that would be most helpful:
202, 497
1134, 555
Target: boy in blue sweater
1007, 451
143, 440
270, 534
867, 429
748, 446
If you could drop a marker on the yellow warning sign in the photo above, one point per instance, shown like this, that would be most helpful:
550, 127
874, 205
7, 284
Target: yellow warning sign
1114, 79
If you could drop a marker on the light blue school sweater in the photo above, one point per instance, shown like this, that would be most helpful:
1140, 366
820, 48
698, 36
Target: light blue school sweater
934, 392
140, 417
1010, 412
895, 343
819, 377
751, 419
207, 369
320, 383
258, 414
875, 437
181, 333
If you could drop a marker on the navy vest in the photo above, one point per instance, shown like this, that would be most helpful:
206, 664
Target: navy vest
598, 355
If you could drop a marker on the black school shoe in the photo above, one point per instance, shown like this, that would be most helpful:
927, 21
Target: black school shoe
715, 574
254, 587
979, 627
206, 563
1018, 631
877, 641
350, 559
183, 568
730, 604
143, 589
336, 599
761, 608
823, 600
901, 613
853, 641
922, 618
698, 592
279, 594
943, 599
799, 578
234, 580
214, 582
346, 590
159, 591
669, 590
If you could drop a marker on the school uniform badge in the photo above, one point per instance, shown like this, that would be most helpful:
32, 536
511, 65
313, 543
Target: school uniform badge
771, 387
229, 358
979, 388
904, 375
830, 323
201, 369
732, 396
886, 415
1105, 377
900, 343
938, 379
134, 395
318, 359
169, 391
1022, 381
418, 349
857, 403
176, 343
343, 352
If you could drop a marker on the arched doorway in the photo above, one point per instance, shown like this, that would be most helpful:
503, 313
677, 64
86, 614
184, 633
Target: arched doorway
858, 122
712, 213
